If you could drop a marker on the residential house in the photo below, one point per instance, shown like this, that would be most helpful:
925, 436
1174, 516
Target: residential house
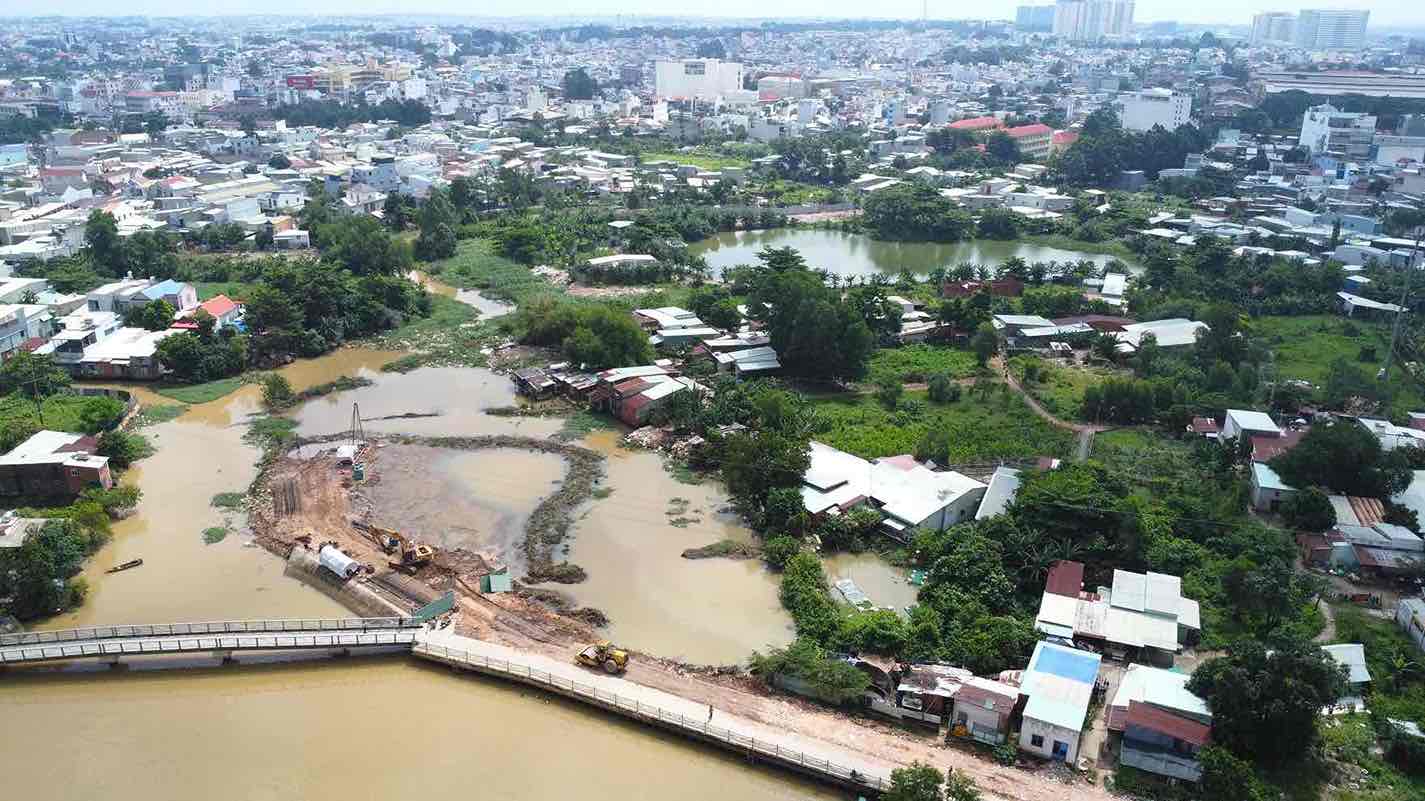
1060, 684
534, 382
127, 353
1164, 726
1352, 304
748, 362
1269, 491
999, 494
79, 329
1241, 423
1351, 656
20, 323
1171, 333
1143, 615
1392, 436
1410, 616
908, 494
1377, 548
53, 463
665, 318
982, 710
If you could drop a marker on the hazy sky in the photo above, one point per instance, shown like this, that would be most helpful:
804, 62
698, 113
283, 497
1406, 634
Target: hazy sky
1384, 12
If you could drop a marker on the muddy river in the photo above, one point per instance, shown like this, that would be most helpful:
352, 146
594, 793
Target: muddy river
378, 728
339, 731
707, 611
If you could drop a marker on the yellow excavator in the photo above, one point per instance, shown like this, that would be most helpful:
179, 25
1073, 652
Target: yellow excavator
604, 655
414, 555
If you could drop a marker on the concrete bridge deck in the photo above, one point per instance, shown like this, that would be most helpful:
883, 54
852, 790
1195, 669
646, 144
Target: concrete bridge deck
657, 708
219, 637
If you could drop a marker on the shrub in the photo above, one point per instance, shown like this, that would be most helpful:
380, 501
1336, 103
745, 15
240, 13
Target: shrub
277, 392
777, 550
1309, 510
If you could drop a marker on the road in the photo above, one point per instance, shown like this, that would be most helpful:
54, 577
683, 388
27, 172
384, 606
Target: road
1084, 432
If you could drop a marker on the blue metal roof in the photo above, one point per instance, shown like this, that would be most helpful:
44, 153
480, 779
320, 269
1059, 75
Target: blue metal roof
1069, 663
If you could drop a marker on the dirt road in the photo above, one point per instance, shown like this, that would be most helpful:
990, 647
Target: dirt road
1084, 431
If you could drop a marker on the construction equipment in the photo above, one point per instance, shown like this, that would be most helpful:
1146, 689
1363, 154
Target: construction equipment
604, 655
414, 555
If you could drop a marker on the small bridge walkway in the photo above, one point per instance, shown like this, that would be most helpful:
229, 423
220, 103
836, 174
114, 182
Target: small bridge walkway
223, 638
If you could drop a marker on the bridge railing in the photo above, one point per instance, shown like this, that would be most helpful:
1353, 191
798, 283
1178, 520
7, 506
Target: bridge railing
92, 633
216, 643
652, 713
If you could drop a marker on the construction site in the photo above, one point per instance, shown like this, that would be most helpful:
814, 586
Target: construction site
377, 522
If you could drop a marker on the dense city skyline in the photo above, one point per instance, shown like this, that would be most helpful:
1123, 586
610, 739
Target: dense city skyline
1211, 12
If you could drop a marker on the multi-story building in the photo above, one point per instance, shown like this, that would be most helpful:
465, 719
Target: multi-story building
700, 78
1325, 129
1034, 18
1035, 140
1140, 111
1090, 20
1331, 29
1273, 27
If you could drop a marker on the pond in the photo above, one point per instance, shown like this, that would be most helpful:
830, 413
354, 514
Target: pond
852, 255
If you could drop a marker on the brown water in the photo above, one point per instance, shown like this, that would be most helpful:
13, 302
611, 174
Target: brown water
470, 297
478, 500
383, 728
884, 583
709, 611
368, 728
199, 455
457, 396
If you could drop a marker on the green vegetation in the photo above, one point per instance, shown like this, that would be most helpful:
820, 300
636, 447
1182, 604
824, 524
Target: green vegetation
229, 500
160, 413
202, 393
831, 680
988, 422
81, 414
916, 363
477, 265
404, 364
699, 158
213, 535
448, 336
1397, 667
1058, 388
270, 432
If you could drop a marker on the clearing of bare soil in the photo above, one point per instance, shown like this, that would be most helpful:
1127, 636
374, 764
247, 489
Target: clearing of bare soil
525, 620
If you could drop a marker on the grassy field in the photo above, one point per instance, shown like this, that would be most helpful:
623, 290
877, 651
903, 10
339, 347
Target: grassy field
61, 411
201, 393
918, 362
476, 265
1305, 347
699, 159
980, 428
1059, 388
450, 336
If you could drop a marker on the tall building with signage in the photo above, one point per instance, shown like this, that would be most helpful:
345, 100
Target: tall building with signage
1090, 20
1273, 27
696, 78
1331, 29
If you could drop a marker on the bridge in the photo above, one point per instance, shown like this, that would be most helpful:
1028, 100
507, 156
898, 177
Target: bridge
640, 703
221, 638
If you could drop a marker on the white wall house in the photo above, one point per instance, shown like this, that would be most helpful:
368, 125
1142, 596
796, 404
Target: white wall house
1140, 111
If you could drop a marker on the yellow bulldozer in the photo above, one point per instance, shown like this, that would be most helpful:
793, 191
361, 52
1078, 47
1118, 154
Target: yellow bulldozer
604, 655
414, 555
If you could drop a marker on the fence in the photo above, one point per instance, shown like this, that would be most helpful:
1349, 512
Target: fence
221, 644
695, 727
215, 627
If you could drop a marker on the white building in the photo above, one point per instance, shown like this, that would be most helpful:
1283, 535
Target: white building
1273, 27
1140, 111
1332, 29
1090, 20
700, 78
906, 492
1059, 682
1325, 128
1243, 423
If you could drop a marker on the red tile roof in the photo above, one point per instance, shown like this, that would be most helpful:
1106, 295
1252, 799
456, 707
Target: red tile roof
218, 305
1205, 425
977, 124
1065, 137
1368, 510
984, 698
1033, 129
1264, 449
1065, 578
1158, 720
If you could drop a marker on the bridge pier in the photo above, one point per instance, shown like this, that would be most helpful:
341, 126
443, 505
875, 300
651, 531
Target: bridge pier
225, 656
112, 660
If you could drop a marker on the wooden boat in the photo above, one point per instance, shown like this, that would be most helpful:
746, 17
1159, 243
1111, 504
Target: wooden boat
129, 565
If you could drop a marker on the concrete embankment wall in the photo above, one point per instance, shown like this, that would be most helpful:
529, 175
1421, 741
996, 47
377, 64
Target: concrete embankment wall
354, 595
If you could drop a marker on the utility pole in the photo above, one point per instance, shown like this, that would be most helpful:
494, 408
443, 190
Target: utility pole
1400, 315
